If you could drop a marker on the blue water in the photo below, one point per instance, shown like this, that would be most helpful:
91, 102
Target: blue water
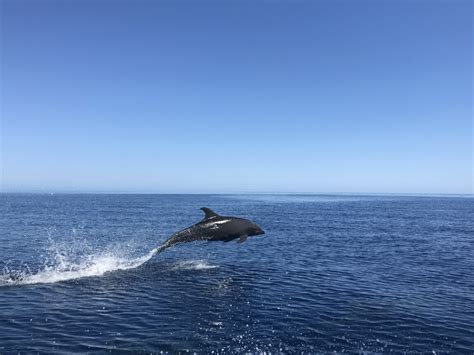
333, 273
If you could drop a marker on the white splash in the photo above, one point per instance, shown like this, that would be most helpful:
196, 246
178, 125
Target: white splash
65, 266
64, 269
193, 265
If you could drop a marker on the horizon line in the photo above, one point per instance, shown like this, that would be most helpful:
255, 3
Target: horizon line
232, 193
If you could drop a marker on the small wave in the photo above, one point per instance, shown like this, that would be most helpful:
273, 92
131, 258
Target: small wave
95, 265
193, 265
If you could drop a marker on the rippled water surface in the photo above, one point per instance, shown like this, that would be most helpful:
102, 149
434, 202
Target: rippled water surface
333, 273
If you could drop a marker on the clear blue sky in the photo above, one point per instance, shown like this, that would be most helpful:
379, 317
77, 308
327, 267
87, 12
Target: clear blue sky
237, 96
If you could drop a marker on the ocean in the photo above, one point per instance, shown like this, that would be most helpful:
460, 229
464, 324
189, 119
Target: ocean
333, 273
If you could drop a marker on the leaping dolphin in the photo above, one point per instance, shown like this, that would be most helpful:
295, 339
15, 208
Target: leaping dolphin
214, 227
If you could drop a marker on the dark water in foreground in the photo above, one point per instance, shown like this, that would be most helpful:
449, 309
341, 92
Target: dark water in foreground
333, 273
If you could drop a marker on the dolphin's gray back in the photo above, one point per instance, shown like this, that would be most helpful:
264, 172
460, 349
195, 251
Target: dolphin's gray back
218, 228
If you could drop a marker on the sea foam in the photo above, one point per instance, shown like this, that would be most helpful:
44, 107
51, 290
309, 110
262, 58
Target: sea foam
66, 268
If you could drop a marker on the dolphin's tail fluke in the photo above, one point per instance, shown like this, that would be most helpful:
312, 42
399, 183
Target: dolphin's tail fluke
176, 238
161, 249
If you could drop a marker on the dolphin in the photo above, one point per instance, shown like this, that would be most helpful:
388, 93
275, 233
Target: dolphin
214, 227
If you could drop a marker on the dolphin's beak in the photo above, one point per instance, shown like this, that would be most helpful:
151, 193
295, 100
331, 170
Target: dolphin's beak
260, 231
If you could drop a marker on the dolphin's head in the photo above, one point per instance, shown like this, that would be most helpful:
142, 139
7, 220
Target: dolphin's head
254, 229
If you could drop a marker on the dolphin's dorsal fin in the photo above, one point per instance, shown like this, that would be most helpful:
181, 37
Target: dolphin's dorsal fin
209, 213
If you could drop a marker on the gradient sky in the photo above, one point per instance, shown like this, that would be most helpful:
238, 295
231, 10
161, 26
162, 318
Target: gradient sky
236, 96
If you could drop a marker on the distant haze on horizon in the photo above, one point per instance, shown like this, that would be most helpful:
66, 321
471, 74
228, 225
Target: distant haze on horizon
240, 96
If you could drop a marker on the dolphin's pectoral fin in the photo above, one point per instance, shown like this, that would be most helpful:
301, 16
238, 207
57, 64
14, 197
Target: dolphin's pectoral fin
242, 238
